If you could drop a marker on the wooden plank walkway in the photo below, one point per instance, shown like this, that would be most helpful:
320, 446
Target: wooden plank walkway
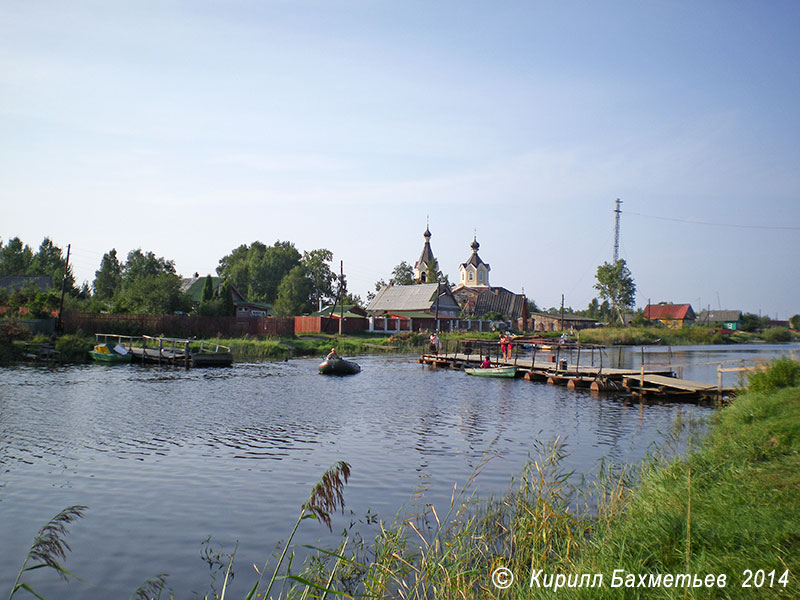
655, 381
171, 351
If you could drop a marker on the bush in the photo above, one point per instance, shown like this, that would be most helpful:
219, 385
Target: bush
74, 348
777, 334
782, 373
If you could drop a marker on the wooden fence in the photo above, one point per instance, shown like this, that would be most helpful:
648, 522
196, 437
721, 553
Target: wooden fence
176, 325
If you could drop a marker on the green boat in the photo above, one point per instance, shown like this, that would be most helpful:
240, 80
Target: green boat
493, 372
110, 355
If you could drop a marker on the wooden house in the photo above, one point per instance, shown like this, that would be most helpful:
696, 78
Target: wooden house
674, 316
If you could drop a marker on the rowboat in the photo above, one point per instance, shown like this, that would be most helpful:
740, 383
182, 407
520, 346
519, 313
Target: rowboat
493, 372
338, 366
110, 355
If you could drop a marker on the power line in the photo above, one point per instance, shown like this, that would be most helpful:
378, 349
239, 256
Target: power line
692, 222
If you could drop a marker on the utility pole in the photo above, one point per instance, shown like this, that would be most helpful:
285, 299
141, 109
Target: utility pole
341, 295
616, 231
562, 313
59, 323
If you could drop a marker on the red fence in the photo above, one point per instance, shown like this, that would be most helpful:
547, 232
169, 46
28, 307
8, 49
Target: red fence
329, 325
176, 325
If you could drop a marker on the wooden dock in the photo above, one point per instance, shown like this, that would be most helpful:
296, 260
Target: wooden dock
171, 351
644, 382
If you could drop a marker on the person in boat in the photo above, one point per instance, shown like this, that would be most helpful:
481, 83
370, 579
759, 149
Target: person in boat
486, 364
332, 355
435, 343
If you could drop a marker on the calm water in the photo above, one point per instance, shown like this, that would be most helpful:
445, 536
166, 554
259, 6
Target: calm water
165, 458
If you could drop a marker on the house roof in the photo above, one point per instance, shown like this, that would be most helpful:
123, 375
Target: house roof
420, 297
350, 310
678, 312
481, 300
15, 282
193, 286
719, 316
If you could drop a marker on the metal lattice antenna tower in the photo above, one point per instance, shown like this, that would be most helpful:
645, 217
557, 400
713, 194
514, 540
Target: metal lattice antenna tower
616, 231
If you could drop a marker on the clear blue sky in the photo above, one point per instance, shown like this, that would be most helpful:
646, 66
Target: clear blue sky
189, 128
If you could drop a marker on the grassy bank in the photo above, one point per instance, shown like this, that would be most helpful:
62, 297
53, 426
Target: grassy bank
688, 336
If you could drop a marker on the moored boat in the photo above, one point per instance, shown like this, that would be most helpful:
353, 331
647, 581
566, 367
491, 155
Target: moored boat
338, 366
493, 372
108, 354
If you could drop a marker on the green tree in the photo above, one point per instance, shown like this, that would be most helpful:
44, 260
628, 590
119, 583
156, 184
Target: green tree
403, 274
227, 307
752, 323
108, 279
149, 285
615, 284
294, 293
15, 258
49, 260
208, 290
258, 270
316, 264
433, 274
795, 322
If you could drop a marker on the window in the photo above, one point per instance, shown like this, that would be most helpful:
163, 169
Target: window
471, 276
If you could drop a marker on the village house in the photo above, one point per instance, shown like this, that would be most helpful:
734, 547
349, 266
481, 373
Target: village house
674, 316
722, 319
193, 287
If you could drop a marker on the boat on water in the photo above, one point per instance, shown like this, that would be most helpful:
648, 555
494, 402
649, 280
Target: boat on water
493, 372
110, 355
338, 366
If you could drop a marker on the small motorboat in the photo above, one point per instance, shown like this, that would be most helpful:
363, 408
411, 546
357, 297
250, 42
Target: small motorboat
110, 355
338, 366
493, 372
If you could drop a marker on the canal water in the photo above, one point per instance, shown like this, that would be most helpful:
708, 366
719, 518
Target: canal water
165, 458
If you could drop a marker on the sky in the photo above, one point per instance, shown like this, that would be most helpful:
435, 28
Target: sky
189, 128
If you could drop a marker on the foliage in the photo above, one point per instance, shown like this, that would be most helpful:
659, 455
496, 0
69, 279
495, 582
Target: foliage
402, 274
208, 290
752, 323
782, 373
320, 274
615, 284
108, 279
17, 258
777, 334
795, 322
74, 347
257, 270
294, 292
433, 274
49, 548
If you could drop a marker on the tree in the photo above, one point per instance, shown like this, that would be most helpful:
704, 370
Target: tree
320, 274
752, 323
49, 260
402, 274
208, 290
15, 258
227, 307
149, 285
615, 284
294, 293
258, 270
434, 275
108, 279
795, 322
